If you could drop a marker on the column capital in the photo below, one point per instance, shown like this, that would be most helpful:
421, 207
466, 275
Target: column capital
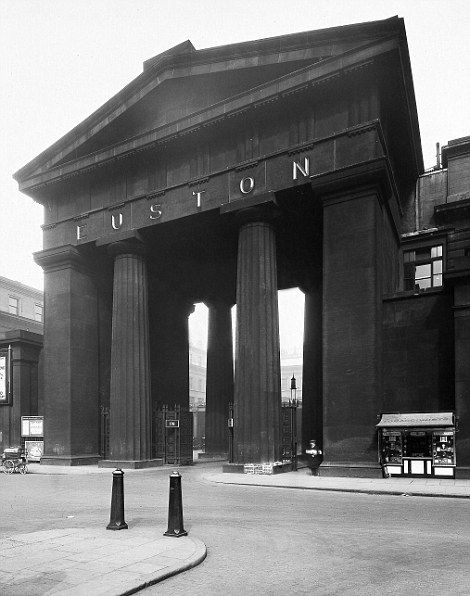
61, 257
267, 214
121, 236
190, 308
132, 246
311, 281
217, 302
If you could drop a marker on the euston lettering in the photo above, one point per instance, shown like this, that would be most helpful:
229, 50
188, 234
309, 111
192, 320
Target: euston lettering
247, 185
198, 194
116, 225
156, 211
296, 167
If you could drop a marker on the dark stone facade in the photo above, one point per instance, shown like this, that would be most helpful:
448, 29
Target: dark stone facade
26, 387
244, 169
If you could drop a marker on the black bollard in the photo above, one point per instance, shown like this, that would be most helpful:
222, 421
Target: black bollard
175, 509
116, 521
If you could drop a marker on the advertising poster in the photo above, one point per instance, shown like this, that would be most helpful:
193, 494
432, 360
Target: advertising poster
32, 426
34, 449
3, 378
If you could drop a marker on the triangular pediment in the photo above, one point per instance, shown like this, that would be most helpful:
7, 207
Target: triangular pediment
179, 97
183, 84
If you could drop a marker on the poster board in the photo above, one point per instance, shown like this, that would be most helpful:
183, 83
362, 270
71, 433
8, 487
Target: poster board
5, 376
34, 449
32, 426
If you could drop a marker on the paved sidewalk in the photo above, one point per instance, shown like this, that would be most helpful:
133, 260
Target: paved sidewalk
48, 470
429, 487
92, 562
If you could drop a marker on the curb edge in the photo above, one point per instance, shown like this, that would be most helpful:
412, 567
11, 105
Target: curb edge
198, 557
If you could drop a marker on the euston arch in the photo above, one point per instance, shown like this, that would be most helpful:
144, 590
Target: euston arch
224, 175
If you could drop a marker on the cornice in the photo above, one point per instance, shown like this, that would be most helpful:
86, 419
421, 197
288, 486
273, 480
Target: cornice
455, 209
293, 151
429, 234
62, 257
281, 45
16, 286
455, 148
22, 336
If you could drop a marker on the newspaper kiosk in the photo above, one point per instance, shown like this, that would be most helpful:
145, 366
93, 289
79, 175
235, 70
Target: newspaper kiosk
417, 444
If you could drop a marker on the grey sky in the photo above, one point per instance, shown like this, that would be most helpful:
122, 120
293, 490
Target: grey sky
60, 60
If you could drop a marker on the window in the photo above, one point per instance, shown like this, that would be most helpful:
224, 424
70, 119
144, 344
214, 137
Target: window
38, 312
13, 305
423, 267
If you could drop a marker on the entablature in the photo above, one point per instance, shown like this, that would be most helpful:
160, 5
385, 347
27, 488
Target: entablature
358, 152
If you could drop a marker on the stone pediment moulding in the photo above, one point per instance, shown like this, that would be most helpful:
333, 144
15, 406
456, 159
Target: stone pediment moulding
299, 81
253, 54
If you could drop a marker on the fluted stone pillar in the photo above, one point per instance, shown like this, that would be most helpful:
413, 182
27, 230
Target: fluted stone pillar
219, 376
129, 439
312, 378
169, 345
257, 403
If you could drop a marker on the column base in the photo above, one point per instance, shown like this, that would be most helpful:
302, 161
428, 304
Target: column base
257, 469
220, 456
130, 464
70, 460
350, 470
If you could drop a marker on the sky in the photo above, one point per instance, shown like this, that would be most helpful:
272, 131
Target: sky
62, 59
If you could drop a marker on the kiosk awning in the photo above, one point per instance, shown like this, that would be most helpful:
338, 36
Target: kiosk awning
401, 420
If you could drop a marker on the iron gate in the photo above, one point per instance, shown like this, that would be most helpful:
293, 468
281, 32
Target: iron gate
289, 432
230, 432
104, 432
172, 434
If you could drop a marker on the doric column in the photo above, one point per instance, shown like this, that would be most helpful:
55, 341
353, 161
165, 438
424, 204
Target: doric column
169, 345
70, 358
312, 378
129, 439
257, 403
219, 376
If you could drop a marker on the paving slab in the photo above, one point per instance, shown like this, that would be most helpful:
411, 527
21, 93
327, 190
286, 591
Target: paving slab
302, 479
102, 562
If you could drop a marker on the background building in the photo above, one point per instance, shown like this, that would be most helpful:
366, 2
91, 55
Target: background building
291, 365
21, 340
21, 307
197, 391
